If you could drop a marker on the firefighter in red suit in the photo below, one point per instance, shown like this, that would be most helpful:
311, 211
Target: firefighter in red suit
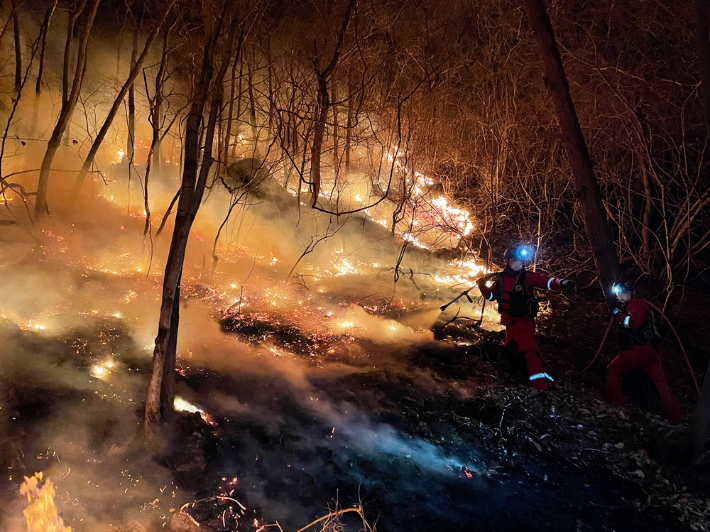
513, 290
637, 336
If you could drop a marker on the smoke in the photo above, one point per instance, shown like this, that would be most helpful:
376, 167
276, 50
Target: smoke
79, 313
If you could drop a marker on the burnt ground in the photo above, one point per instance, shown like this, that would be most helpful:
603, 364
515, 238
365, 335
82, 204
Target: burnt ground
446, 438
470, 447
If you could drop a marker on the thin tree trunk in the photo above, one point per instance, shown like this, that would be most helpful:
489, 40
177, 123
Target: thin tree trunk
157, 111
230, 113
588, 192
18, 46
318, 131
252, 109
44, 29
350, 122
703, 43
136, 64
323, 102
65, 112
336, 131
131, 140
647, 207
192, 190
239, 104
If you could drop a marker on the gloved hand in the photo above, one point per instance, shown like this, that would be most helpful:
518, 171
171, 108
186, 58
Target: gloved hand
569, 284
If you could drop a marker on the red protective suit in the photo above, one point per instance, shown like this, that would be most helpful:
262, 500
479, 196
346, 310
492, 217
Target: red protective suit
638, 352
520, 330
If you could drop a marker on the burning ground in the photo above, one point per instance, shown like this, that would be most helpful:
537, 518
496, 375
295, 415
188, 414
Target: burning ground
300, 398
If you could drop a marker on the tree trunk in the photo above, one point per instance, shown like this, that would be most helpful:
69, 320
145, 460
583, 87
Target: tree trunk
350, 122
136, 64
318, 131
230, 114
323, 102
44, 29
694, 443
703, 43
252, 108
209, 89
18, 46
131, 141
336, 131
66, 110
239, 103
588, 192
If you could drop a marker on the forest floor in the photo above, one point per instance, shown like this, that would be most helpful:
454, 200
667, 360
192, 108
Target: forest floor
426, 432
563, 459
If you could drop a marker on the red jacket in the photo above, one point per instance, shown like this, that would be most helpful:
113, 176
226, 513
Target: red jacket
632, 320
636, 312
504, 285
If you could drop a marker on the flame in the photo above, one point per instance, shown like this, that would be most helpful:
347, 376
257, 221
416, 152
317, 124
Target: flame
183, 406
41, 512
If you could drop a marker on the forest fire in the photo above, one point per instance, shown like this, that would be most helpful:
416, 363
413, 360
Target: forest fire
229, 232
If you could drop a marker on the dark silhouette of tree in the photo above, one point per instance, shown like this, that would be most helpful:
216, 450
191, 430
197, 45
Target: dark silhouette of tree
588, 191
220, 41
70, 96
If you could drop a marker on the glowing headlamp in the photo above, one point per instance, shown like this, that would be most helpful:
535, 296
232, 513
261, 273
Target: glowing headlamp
616, 289
524, 253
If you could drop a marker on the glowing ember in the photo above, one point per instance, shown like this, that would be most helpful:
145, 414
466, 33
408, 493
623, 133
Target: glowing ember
41, 512
103, 370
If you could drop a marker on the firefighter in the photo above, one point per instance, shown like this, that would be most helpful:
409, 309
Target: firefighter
517, 305
639, 344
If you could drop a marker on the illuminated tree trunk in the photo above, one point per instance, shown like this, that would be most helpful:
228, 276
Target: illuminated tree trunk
588, 191
131, 141
336, 130
137, 63
44, 29
18, 46
252, 106
318, 132
350, 122
194, 180
323, 102
68, 104
230, 113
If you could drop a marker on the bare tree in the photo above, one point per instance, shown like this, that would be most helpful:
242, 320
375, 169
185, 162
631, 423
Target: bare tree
44, 30
69, 99
18, 44
220, 35
588, 191
324, 77
136, 65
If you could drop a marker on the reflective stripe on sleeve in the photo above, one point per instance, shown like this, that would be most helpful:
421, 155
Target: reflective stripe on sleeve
627, 319
549, 283
541, 376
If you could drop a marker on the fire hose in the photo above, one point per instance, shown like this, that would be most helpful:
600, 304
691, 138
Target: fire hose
675, 333
465, 292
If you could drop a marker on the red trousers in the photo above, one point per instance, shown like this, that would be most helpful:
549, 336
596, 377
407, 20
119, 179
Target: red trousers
644, 357
520, 332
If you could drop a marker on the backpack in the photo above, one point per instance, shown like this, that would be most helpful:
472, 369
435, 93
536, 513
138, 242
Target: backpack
651, 328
